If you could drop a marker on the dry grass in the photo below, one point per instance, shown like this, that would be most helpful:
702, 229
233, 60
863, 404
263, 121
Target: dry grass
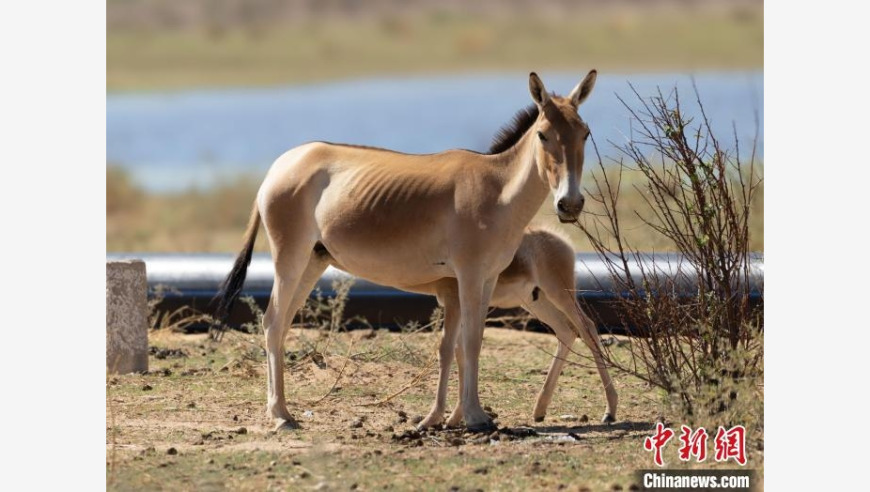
209, 406
636, 37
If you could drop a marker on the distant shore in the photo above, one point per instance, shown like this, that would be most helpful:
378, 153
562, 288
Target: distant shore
631, 39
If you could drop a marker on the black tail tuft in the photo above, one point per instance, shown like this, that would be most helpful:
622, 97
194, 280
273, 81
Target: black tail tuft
231, 288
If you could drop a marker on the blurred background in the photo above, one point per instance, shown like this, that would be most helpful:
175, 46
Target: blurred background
202, 95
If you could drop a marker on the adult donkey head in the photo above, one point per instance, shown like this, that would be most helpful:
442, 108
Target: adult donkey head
560, 140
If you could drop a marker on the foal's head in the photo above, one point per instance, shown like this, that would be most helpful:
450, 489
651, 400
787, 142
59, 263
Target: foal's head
560, 136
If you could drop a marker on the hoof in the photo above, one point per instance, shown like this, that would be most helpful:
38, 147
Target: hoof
608, 419
287, 425
539, 419
434, 426
430, 423
454, 421
487, 426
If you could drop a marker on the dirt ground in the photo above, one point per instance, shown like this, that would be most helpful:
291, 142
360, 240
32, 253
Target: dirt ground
197, 419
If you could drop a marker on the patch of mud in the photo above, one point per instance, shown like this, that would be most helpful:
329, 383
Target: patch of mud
167, 353
445, 437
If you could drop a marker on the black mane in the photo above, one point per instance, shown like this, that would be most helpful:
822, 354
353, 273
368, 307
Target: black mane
508, 135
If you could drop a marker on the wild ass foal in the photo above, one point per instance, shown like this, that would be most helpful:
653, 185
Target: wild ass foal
540, 279
410, 220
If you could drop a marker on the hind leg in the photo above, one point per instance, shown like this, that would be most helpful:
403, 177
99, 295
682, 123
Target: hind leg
296, 272
549, 314
565, 301
456, 415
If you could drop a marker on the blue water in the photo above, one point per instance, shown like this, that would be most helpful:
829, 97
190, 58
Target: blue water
193, 138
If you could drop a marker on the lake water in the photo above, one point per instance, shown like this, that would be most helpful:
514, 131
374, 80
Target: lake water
175, 140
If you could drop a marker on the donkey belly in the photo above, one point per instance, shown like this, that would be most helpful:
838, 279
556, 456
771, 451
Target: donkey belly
397, 244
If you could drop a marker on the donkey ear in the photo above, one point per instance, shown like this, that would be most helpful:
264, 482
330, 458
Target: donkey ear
536, 87
583, 89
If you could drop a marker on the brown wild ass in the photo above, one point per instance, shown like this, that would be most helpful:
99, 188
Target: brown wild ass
407, 220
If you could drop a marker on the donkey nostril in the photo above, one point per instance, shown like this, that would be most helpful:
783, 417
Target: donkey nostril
560, 205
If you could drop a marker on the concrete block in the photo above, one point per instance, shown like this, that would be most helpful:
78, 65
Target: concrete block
126, 317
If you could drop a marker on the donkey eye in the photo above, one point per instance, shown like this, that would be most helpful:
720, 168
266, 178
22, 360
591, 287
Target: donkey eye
542, 137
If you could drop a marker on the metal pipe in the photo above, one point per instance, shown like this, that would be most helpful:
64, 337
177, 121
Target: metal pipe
194, 279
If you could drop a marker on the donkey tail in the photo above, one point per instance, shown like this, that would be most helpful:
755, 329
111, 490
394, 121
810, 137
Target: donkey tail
231, 288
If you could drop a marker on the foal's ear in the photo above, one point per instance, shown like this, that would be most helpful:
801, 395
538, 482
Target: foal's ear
539, 92
583, 89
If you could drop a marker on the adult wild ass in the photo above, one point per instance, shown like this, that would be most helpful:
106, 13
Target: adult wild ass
410, 220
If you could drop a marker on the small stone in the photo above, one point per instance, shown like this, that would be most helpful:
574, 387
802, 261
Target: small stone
584, 418
417, 419
304, 474
172, 451
241, 430
147, 387
567, 418
356, 424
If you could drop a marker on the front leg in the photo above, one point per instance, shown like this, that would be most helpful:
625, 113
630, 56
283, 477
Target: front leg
474, 295
450, 299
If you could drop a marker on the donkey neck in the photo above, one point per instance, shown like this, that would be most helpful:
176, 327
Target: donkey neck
524, 187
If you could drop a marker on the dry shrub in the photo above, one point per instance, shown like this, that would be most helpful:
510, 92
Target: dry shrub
699, 337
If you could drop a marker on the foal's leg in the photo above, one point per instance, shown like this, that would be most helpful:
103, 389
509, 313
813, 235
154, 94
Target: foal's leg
291, 268
566, 302
549, 314
450, 300
456, 415
474, 295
